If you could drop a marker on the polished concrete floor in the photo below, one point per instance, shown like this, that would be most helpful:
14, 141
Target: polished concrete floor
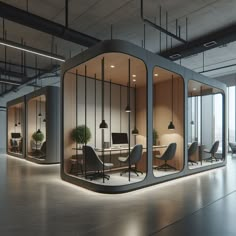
34, 201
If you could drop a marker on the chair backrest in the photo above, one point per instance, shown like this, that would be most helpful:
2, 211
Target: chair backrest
43, 147
232, 146
192, 149
92, 161
214, 147
136, 154
169, 152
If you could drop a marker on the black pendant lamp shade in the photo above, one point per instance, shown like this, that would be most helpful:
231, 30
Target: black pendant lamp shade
135, 130
40, 114
44, 120
171, 124
127, 109
38, 131
192, 122
103, 124
15, 117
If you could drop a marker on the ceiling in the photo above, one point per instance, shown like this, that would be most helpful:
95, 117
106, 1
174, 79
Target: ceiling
94, 18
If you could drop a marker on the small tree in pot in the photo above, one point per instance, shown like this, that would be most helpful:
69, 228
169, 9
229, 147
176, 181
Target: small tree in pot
81, 134
38, 136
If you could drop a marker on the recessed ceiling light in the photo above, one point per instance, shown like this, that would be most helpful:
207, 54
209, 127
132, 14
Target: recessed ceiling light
112, 66
134, 80
133, 75
156, 74
194, 89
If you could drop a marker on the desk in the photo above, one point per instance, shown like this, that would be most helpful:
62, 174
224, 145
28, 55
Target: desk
114, 153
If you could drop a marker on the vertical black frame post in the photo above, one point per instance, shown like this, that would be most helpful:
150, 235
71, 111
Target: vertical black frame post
85, 112
102, 70
129, 113
76, 110
95, 110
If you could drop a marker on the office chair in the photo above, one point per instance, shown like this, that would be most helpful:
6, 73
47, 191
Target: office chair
192, 149
14, 145
42, 151
166, 156
132, 159
212, 151
94, 164
233, 147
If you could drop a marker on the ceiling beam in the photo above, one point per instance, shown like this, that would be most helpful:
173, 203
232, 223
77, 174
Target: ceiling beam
13, 74
41, 24
201, 44
11, 82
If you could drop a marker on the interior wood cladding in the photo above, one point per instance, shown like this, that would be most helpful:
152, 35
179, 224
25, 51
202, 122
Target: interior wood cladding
162, 117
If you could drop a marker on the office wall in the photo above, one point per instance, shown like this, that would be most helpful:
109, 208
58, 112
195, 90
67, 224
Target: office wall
2, 132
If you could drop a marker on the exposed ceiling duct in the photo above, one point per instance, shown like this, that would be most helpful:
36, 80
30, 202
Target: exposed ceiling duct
38, 23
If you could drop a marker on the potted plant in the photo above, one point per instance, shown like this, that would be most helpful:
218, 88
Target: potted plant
38, 136
154, 137
81, 134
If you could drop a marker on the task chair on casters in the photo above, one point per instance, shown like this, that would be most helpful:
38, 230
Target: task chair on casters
192, 149
212, 151
132, 159
94, 164
233, 147
166, 156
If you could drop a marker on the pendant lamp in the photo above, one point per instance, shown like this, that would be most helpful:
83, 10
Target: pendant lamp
171, 124
128, 109
103, 124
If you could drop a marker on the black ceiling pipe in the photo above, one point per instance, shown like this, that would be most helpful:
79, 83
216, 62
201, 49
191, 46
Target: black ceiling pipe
201, 44
38, 23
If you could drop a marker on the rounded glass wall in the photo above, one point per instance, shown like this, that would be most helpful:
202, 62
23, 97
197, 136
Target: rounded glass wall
205, 125
104, 103
168, 122
36, 114
15, 129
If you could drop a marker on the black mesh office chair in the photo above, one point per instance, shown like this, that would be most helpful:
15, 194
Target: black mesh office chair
14, 145
233, 147
166, 156
212, 151
192, 149
94, 164
133, 159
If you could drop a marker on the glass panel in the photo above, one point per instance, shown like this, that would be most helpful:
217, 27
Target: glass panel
107, 91
15, 129
205, 125
168, 115
231, 114
36, 145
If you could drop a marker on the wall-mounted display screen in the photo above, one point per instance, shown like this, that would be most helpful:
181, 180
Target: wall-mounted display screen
15, 135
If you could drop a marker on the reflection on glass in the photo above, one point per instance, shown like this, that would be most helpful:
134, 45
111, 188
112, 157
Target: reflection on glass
37, 127
167, 122
15, 129
205, 125
105, 120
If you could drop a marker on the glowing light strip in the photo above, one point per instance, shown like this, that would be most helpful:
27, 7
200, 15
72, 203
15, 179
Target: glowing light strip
31, 50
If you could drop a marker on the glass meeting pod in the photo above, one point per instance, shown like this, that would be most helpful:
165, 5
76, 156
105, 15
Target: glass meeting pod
114, 102
42, 126
16, 127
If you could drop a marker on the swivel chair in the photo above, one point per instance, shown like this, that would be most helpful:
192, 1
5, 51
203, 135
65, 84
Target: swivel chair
212, 151
233, 147
14, 145
192, 149
132, 159
166, 156
94, 164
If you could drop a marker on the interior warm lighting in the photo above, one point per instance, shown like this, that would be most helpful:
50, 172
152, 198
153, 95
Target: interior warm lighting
31, 50
112, 66
134, 80
194, 89
156, 75
134, 76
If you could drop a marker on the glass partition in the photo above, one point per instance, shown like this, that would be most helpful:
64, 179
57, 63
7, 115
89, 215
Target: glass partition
15, 129
205, 125
104, 102
168, 122
36, 128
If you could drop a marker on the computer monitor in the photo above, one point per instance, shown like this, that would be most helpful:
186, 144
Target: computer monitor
119, 138
15, 135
